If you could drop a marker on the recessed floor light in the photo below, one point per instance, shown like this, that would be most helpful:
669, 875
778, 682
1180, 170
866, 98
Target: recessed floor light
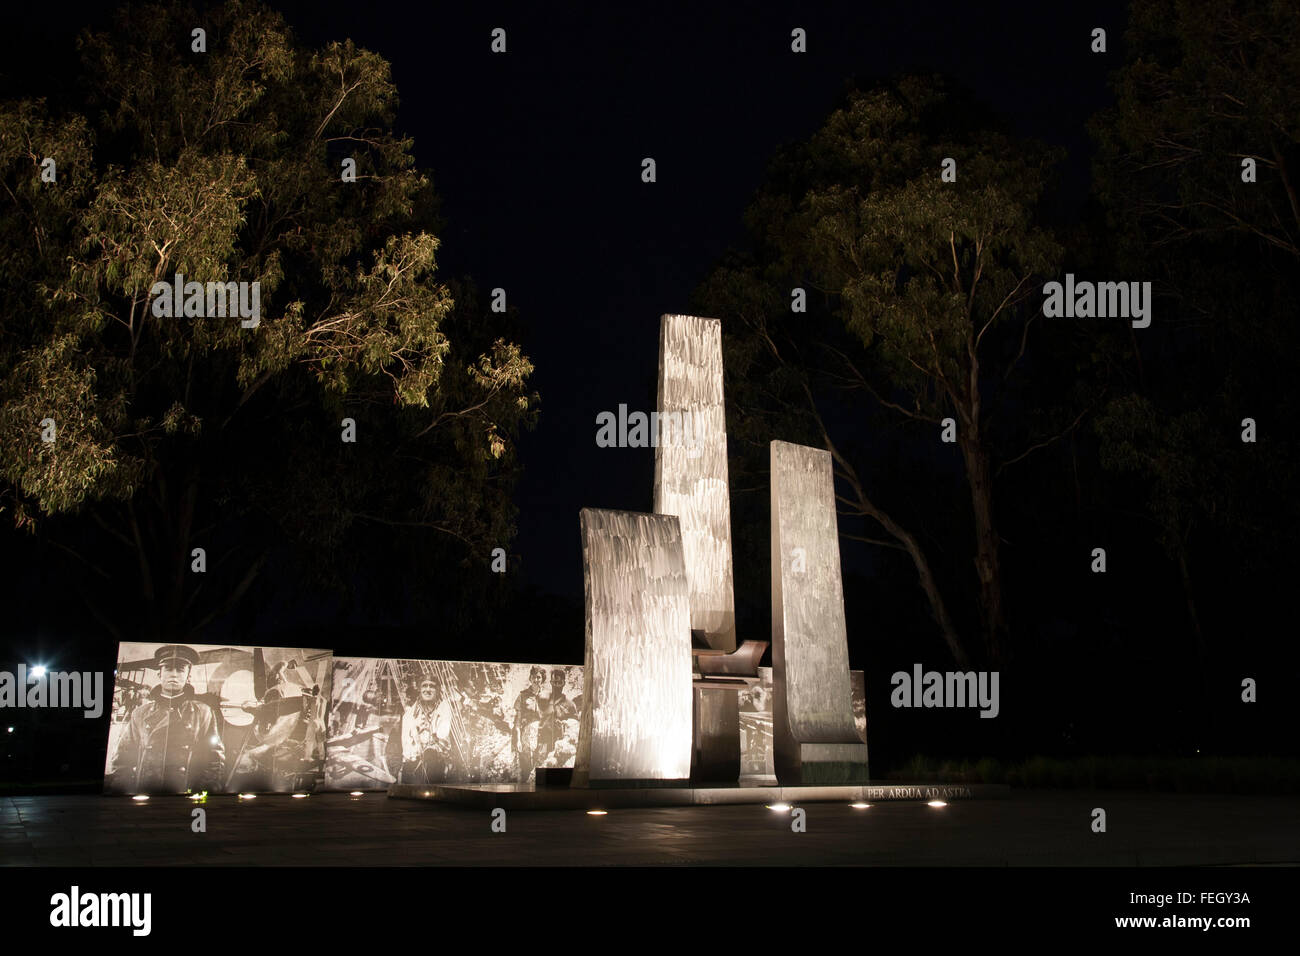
859, 806
936, 803
597, 813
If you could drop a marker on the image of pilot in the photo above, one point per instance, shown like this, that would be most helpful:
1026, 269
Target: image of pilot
171, 743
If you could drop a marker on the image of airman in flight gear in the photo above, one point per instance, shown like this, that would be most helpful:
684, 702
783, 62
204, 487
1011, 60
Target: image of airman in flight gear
171, 742
426, 736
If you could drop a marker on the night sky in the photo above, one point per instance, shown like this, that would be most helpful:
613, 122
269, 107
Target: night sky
536, 157
537, 153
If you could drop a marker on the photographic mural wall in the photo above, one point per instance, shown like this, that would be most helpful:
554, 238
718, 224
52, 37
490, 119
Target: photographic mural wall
416, 721
482, 721
221, 719
189, 718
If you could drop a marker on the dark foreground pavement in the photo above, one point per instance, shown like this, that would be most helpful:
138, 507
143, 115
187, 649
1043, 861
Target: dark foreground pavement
1030, 828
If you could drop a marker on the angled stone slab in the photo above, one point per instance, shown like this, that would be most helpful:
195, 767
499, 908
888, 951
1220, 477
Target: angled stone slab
814, 736
636, 704
691, 482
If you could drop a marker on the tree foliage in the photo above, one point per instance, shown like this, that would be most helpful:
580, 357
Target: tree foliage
922, 297
172, 433
1202, 88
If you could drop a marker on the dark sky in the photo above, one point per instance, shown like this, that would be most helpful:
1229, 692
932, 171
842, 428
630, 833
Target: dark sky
537, 157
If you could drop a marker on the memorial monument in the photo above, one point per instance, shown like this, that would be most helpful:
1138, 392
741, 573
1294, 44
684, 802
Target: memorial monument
814, 739
691, 482
662, 674
644, 573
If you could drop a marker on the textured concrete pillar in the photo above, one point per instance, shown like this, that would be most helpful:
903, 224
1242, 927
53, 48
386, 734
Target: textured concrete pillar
691, 468
691, 482
636, 704
814, 737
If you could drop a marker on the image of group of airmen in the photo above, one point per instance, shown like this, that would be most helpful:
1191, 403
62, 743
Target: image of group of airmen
171, 738
544, 731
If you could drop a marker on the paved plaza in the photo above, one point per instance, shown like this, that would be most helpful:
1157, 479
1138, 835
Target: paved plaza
1027, 828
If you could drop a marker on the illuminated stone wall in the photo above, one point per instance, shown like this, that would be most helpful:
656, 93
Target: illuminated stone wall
814, 737
691, 475
636, 715
691, 482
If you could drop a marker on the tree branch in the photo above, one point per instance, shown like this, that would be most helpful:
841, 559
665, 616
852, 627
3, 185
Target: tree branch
1043, 444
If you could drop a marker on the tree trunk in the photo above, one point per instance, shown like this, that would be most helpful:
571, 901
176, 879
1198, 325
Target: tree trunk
1202, 651
867, 507
987, 563
928, 584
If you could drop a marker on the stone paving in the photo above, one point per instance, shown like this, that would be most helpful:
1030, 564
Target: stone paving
1033, 828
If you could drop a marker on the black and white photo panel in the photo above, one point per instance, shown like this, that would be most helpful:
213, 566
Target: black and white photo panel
417, 721
193, 718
